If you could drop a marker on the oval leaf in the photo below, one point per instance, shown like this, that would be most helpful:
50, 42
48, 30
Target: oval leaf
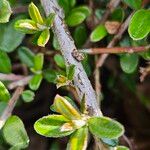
104, 127
14, 132
59, 60
50, 126
98, 33
135, 4
28, 96
38, 61
121, 148
139, 26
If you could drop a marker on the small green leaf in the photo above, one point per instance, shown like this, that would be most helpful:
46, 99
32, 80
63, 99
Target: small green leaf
72, 3
83, 107
28, 96
104, 127
135, 4
98, 33
43, 38
26, 56
14, 132
65, 108
50, 75
110, 142
118, 15
75, 18
50, 126
4, 94
62, 81
129, 62
50, 19
139, 26
79, 139
26, 26
2, 107
59, 60
65, 5
70, 70
55, 43
5, 63
35, 82
38, 61
5, 11
121, 148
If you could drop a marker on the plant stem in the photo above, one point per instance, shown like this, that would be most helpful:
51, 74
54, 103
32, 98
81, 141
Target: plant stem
67, 46
10, 106
10, 77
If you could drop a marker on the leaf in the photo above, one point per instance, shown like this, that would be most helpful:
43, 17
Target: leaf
72, 3
135, 4
62, 81
70, 70
83, 106
80, 35
26, 26
55, 43
38, 61
5, 63
104, 127
75, 18
139, 26
65, 108
59, 60
121, 148
7, 42
43, 38
50, 126
118, 15
5, 11
35, 14
98, 33
50, 19
4, 94
79, 139
35, 82
26, 56
129, 62
65, 5
50, 75
2, 107
28, 96
110, 142
14, 132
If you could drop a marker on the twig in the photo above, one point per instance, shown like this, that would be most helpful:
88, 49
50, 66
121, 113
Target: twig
117, 37
20, 9
115, 50
10, 77
10, 106
67, 46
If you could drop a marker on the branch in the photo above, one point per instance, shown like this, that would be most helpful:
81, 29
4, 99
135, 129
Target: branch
115, 50
10, 77
10, 106
67, 46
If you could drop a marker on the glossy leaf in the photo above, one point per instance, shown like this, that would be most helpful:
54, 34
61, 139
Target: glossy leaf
121, 148
7, 42
104, 127
38, 61
28, 96
35, 82
5, 11
59, 60
79, 139
26, 26
70, 70
43, 38
4, 94
50, 126
5, 63
139, 26
98, 33
135, 4
14, 132
65, 108
110, 142
26, 56
35, 14
129, 62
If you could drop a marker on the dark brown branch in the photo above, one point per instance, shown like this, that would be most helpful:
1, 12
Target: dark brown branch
67, 46
115, 50
10, 106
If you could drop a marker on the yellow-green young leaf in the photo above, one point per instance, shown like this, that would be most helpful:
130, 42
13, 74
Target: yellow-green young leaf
98, 33
38, 61
50, 126
104, 127
139, 26
43, 38
65, 108
35, 14
61, 81
14, 132
121, 148
35, 82
26, 26
5, 11
5, 63
4, 94
79, 139
28, 96
50, 19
